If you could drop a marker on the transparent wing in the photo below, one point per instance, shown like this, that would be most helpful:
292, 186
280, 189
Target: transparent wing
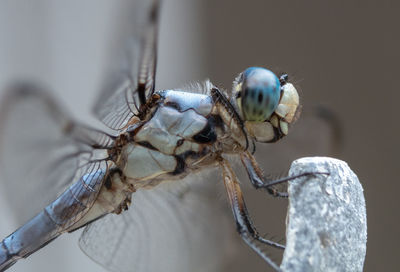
174, 227
42, 150
130, 77
178, 227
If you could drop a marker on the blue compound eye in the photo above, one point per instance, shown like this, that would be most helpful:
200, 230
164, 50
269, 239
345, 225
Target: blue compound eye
260, 94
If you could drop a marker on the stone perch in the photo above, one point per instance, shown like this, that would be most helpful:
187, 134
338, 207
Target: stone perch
326, 220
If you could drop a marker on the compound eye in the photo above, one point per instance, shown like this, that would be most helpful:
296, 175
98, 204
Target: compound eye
261, 91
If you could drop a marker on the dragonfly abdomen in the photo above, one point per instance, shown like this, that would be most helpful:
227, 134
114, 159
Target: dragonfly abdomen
60, 216
30, 237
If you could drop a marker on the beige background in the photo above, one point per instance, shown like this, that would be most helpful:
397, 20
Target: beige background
342, 54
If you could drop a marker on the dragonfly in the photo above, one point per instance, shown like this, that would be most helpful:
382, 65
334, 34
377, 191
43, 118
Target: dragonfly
153, 139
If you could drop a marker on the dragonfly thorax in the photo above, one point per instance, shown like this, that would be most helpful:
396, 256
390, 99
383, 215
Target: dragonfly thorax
178, 137
183, 131
156, 136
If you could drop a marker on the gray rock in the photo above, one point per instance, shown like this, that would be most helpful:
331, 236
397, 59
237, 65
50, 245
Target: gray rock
326, 220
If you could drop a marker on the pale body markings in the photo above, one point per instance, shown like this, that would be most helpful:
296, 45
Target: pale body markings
186, 132
163, 136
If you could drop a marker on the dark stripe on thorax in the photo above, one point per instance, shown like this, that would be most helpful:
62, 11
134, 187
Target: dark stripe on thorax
218, 96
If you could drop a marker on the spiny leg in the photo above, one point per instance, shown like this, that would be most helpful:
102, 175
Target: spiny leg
258, 180
256, 175
244, 224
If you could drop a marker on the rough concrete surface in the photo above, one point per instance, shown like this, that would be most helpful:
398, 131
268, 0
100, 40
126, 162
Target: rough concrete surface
326, 220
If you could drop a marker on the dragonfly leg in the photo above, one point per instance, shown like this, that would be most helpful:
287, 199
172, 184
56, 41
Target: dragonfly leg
244, 224
257, 178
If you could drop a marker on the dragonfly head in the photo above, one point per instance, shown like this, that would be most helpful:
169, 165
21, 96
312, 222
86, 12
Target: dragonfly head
267, 104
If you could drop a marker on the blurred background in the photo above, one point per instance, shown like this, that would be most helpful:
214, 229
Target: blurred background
343, 55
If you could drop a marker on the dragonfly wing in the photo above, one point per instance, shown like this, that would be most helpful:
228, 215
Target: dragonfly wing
172, 227
130, 76
41, 150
